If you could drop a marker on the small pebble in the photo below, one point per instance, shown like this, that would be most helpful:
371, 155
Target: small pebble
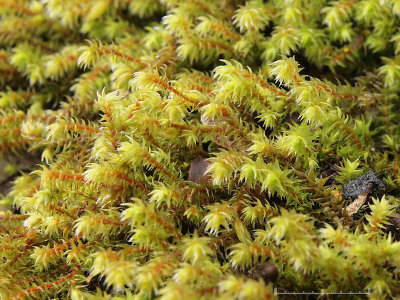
197, 171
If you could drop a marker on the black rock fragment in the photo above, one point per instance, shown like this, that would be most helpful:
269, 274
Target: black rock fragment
361, 185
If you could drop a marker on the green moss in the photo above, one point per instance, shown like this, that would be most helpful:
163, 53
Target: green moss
128, 102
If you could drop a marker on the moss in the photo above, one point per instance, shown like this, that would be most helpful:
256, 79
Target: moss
188, 145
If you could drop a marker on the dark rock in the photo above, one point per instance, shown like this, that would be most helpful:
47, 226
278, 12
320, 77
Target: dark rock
361, 185
267, 271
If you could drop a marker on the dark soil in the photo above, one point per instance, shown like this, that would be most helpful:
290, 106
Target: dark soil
24, 162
